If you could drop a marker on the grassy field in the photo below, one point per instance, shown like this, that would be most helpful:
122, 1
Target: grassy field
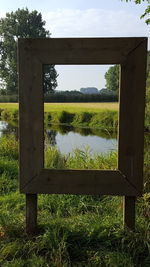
74, 230
80, 107
71, 107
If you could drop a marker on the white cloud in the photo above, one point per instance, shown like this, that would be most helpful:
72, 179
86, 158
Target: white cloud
94, 22
2, 14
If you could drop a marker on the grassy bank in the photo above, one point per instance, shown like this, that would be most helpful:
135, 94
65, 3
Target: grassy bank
94, 115
74, 230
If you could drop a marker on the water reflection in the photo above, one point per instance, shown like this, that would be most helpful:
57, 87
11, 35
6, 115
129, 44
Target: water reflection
84, 131
68, 138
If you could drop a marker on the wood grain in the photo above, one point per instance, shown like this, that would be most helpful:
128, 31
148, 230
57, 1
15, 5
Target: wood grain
80, 182
81, 50
131, 121
31, 116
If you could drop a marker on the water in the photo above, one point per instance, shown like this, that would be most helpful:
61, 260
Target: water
66, 138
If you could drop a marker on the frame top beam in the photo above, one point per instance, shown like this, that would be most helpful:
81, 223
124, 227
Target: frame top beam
81, 50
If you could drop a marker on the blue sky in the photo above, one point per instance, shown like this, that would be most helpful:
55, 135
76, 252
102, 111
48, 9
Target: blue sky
85, 18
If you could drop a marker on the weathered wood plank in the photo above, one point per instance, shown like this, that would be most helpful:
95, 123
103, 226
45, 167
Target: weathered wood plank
30, 116
81, 50
131, 121
80, 182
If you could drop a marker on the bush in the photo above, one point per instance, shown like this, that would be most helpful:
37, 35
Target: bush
6, 115
15, 114
66, 117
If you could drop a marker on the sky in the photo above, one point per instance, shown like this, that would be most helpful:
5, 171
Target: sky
85, 18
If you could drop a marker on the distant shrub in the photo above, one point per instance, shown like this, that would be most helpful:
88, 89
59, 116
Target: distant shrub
66, 117
6, 115
8, 98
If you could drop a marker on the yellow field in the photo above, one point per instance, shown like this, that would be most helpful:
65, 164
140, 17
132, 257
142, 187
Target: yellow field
71, 107
9, 105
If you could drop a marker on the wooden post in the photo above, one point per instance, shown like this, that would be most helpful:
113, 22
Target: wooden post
31, 214
129, 212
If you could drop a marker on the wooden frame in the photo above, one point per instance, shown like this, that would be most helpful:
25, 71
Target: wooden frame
131, 54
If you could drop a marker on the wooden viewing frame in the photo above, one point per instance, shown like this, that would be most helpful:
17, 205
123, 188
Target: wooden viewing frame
127, 180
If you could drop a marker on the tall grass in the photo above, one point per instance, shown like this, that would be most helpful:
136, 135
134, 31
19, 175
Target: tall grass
74, 230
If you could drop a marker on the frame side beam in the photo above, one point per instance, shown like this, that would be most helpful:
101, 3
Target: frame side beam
132, 105
31, 116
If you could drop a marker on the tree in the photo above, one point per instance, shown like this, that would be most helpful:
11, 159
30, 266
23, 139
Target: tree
21, 24
147, 10
112, 79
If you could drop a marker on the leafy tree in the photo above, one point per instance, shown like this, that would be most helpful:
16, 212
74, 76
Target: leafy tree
147, 10
21, 24
112, 79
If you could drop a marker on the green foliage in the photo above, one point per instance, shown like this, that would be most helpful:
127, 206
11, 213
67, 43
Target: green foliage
66, 117
82, 118
112, 79
9, 147
49, 79
80, 159
107, 119
76, 97
9, 115
21, 24
6, 115
54, 159
147, 10
8, 98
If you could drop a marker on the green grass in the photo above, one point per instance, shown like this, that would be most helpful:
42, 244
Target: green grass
74, 230
80, 107
71, 107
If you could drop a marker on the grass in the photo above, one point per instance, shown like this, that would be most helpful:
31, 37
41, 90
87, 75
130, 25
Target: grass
80, 107
74, 230
71, 107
